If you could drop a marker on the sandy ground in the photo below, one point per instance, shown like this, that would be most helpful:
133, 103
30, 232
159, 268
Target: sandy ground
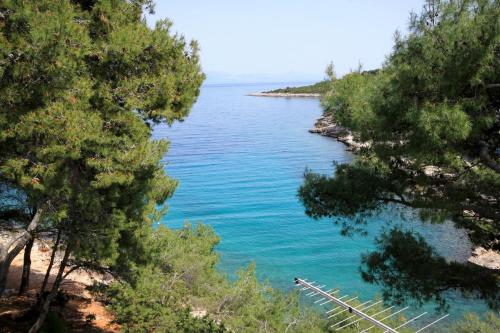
81, 303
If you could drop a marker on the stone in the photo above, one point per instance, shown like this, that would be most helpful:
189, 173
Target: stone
485, 258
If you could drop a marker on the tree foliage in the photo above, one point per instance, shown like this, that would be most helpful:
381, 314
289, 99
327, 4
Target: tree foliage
431, 121
180, 275
317, 88
473, 323
409, 267
81, 83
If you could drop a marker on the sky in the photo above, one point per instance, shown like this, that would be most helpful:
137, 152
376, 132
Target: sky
275, 40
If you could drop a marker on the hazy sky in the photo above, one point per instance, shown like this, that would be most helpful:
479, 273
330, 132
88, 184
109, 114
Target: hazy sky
281, 36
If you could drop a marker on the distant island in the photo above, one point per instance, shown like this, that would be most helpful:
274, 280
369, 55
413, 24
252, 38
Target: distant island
314, 90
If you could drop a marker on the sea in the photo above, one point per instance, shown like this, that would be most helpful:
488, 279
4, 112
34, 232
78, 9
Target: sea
240, 160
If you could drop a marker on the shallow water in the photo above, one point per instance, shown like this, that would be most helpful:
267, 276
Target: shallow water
240, 161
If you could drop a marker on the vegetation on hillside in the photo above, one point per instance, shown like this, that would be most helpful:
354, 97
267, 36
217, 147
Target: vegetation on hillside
178, 274
82, 83
322, 87
431, 118
473, 323
318, 88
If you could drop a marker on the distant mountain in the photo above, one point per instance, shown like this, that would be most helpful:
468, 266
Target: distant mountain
221, 78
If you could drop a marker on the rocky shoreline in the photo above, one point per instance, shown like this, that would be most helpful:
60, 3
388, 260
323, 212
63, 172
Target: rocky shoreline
326, 126
485, 258
303, 95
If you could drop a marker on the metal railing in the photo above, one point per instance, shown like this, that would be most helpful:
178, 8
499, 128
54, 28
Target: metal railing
358, 310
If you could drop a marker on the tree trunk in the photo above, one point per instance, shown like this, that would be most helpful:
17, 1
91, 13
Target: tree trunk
45, 306
25, 278
17, 244
486, 158
49, 268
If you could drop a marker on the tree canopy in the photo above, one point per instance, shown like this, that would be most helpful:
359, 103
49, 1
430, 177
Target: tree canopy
81, 84
431, 118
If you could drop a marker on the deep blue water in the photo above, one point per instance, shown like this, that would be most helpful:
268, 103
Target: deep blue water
240, 161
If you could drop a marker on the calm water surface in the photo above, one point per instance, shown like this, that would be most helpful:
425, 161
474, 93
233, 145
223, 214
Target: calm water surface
240, 161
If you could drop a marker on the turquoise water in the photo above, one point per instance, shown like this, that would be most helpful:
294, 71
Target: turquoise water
240, 161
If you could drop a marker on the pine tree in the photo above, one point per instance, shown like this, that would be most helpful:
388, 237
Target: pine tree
432, 123
82, 83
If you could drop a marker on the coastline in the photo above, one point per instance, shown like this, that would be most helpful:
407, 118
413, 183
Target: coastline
287, 95
326, 126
